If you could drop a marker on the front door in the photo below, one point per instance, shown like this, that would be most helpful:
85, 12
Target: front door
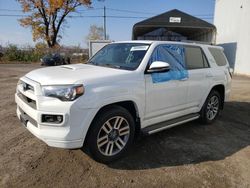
165, 98
166, 92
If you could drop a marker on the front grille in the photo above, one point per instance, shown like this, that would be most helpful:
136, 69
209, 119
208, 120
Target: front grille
27, 100
27, 117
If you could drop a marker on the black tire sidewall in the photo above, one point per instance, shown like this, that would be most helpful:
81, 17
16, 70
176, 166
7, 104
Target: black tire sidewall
96, 125
204, 118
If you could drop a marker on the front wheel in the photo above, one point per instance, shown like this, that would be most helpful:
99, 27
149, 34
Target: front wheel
211, 107
111, 134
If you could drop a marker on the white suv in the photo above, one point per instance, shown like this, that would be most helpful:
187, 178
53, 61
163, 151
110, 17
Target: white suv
127, 88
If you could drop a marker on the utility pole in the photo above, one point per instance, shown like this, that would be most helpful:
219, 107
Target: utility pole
104, 23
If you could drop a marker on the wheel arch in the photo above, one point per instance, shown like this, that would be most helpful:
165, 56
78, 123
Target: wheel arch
221, 89
129, 105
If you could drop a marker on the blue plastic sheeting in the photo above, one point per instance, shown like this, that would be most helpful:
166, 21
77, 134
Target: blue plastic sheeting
174, 55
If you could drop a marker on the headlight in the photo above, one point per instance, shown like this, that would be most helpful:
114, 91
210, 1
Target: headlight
64, 93
18, 83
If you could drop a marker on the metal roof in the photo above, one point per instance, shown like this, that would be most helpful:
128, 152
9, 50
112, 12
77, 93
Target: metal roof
175, 19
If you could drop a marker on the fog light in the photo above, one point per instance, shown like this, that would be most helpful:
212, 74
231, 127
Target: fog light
59, 118
56, 119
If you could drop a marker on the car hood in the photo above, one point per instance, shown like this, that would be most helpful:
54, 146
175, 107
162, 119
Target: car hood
73, 74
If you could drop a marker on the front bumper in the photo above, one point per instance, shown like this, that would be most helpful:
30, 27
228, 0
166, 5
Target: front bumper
51, 137
69, 134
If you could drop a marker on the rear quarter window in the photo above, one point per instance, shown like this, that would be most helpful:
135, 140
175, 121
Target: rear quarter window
219, 56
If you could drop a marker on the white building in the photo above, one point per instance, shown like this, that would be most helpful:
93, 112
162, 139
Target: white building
232, 19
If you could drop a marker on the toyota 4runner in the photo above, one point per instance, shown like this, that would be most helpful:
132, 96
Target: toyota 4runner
127, 88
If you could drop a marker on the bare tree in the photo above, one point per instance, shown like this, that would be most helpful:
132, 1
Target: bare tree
95, 33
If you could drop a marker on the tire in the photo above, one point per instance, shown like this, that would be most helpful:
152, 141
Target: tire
111, 134
211, 108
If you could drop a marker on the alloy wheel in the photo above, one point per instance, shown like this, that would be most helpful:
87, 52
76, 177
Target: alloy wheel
113, 136
212, 107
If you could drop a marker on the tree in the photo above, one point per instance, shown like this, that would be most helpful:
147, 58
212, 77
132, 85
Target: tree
41, 48
95, 33
48, 16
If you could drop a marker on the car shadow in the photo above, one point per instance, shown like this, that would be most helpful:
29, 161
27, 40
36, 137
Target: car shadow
193, 142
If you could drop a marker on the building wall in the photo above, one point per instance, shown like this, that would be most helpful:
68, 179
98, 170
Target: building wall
232, 19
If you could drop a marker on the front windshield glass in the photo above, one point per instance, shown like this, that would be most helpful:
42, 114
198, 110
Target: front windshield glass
126, 56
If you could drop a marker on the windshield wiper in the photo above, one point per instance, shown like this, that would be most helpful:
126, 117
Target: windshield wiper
110, 65
92, 63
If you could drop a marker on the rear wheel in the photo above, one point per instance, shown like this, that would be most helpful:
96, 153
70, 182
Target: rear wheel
111, 134
211, 107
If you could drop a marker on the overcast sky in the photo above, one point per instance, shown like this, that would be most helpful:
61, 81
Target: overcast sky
117, 28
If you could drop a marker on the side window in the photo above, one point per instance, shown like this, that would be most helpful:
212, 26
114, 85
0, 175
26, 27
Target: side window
174, 55
218, 56
195, 58
206, 65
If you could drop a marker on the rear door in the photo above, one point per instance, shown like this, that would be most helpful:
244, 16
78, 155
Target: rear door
199, 76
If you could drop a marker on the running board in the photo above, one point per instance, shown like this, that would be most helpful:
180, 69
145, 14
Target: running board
169, 124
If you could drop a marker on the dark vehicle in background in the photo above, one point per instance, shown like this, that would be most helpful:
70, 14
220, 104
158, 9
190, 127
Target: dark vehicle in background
1, 52
54, 59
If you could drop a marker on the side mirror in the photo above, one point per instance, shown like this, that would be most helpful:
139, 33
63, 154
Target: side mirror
158, 66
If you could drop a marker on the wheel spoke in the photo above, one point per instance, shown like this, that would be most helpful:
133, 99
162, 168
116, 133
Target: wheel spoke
216, 102
124, 131
213, 99
209, 114
107, 127
208, 106
102, 141
109, 148
119, 143
216, 108
118, 122
212, 114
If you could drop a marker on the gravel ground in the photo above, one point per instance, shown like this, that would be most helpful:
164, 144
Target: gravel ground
191, 155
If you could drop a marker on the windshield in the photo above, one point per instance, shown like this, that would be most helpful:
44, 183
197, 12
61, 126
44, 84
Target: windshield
126, 56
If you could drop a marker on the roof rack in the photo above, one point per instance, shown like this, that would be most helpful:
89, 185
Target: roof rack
197, 42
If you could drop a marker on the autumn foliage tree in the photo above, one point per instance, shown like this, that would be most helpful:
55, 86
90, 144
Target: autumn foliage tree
47, 17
